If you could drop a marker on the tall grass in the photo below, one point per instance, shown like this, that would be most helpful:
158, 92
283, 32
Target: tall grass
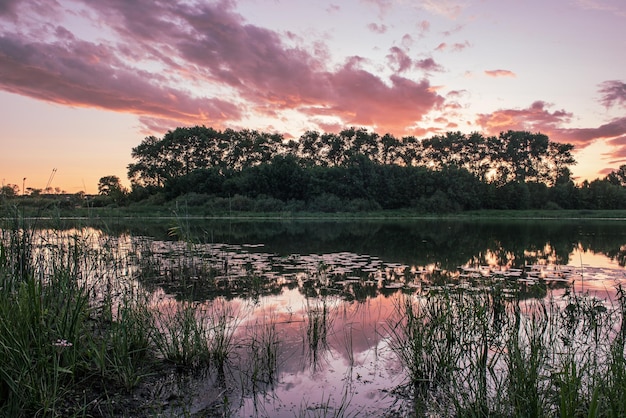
191, 334
43, 319
67, 322
317, 320
479, 353
121, 354
263, 344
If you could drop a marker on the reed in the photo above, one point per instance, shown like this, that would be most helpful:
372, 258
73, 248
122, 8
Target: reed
223, 325
122, 354
183, 336
477, 353
317, 322
326, 408
44, 309
263, 344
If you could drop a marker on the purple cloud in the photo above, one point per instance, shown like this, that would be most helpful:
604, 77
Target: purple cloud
613, 92
536, 118
455, 47
78, 73
428, 65
161, 46
399, 60
376, 28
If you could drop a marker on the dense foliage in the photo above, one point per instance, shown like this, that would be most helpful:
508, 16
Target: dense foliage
358, 170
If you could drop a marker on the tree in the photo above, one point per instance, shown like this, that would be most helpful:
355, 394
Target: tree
523, 153
111, 187
389, 151
108, 185
179, 152
558, 161
10, 190
618, 177
151, 166
309, 147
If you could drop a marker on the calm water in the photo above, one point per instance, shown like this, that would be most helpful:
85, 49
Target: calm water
324, 294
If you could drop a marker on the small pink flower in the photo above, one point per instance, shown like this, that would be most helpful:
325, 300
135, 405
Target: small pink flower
62, 343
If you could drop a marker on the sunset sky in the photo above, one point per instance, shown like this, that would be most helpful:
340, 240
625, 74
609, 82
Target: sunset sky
83, 82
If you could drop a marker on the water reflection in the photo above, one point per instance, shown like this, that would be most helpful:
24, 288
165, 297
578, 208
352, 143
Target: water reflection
205, 271
321, 294
312, 302
444, 243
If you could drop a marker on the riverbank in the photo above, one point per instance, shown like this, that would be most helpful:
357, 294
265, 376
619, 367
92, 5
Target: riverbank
56, 209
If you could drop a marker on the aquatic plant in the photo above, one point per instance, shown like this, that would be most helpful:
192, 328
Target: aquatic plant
43, 323
469, 353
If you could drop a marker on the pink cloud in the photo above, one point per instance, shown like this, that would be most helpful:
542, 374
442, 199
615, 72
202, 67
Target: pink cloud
399, 60
536, 118
618, 153
618, 142
8, 6
428, 64
424, 26
456, 47
407, 41
500, 73
376, 28
206, 46
330, 127
361, 99
448, 8
383, 5
612, 132
78, 73
456, 93
613, 92
456, 29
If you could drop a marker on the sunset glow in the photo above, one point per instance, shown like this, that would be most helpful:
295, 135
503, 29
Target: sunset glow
83, 82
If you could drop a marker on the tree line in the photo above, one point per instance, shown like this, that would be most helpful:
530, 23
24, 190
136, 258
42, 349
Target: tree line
356, 169
511, 156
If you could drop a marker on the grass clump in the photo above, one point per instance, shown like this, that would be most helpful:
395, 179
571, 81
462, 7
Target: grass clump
44, 313
477, 353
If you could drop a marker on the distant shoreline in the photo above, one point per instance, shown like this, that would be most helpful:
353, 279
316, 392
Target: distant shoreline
164, 212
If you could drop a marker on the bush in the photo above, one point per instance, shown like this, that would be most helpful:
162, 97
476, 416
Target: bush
241, 203
439, 202
362, 205
295, 206
326, 202
194, 199
552, 206
268, 204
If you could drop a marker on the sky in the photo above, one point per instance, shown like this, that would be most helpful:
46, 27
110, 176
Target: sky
82, 82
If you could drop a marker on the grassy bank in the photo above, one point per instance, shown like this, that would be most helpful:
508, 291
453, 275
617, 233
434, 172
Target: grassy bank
78, 338
59, 208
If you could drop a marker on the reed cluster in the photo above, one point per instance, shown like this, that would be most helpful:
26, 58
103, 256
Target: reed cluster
76, 331
476, 353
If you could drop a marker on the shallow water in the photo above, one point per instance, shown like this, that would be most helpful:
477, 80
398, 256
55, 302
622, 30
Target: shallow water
322, 296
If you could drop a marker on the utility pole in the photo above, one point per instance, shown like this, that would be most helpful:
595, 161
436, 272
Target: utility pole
23, 186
